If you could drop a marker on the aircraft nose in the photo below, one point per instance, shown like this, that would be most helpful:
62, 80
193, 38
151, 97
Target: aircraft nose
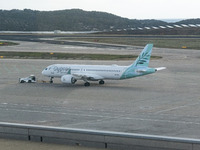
43, 72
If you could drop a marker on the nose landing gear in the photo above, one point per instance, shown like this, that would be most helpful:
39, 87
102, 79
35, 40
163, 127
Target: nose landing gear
51, 80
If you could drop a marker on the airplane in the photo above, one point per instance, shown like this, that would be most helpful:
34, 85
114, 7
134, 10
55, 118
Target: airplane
70, 73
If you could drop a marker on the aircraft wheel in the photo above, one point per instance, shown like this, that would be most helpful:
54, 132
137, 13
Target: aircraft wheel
29, 81
22, 81
101, 82
51, 80
87, 84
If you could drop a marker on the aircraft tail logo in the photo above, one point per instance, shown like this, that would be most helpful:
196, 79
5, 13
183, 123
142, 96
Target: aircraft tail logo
144, 57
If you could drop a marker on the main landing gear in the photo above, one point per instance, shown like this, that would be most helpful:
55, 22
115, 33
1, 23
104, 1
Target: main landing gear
51, 80
88, 83
101, 82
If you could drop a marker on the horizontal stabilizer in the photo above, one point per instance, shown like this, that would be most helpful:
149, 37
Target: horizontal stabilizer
160, 68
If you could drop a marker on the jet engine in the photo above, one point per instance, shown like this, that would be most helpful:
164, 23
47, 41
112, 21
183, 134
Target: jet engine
68, 79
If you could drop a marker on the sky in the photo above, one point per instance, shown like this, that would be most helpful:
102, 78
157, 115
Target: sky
132, 9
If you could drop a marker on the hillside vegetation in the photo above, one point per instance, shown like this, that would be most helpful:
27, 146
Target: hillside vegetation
67, 20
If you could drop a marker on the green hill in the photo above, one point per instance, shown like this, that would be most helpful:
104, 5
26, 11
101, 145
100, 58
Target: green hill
67, 20
190, 21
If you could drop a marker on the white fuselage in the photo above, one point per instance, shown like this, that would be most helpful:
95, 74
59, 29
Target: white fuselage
105, 71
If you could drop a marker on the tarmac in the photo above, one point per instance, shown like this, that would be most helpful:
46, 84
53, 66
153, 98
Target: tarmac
165, 103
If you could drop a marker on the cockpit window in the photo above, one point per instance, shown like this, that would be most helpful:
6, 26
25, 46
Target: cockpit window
45, 68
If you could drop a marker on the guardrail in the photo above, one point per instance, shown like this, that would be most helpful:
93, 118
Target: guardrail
93, 138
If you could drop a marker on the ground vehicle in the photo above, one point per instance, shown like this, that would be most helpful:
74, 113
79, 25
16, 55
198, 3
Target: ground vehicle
30, 79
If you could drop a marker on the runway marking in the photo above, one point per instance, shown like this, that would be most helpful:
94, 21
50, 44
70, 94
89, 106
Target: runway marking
60, 113
59, 108
4, 103
121, 117
104, 116
42, 121
178, 107
169, 121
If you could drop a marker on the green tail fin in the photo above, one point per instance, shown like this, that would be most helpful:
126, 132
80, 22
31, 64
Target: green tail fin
144, 57
140, 66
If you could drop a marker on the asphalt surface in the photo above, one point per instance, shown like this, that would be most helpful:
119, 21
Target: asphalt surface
165, 103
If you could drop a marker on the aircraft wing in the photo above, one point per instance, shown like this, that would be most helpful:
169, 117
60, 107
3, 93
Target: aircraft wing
87, 76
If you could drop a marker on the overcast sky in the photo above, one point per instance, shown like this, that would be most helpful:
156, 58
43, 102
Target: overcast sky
132, 9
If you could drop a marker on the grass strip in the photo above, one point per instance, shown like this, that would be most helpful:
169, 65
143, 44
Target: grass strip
67, 56
165, 42
6, 43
